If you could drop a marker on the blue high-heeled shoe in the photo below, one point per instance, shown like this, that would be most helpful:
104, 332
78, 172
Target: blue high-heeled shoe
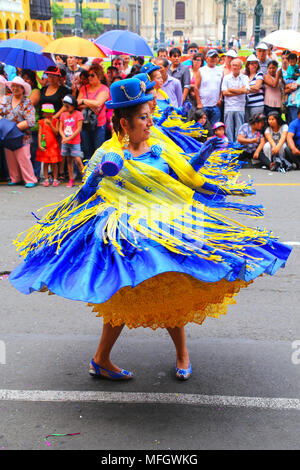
96, 372
183, 374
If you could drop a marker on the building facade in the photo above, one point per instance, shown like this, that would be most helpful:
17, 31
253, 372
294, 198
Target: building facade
107, 11
202, 20
17, 16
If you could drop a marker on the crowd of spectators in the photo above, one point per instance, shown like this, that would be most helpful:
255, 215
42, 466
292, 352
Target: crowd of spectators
62, 113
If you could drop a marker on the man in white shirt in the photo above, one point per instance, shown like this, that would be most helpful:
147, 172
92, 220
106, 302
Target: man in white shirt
235, 86
210, 87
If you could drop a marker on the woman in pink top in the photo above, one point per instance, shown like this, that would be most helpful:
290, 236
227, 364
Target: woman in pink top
273, 88
92, 97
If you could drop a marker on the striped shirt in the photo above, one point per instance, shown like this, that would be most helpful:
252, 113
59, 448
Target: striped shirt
256, 99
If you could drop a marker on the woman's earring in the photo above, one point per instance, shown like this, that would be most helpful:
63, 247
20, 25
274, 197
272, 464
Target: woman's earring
126, 141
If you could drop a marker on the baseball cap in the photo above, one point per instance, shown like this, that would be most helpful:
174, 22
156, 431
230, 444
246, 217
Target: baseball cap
48, 108
218, 124
231, 53
211, 53
70, 99
52, 70
262, 45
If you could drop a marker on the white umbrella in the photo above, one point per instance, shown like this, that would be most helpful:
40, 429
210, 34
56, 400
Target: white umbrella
284, 38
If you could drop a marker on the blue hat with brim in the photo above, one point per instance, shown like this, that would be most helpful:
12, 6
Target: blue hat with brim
128, 92
144, 77
149, 68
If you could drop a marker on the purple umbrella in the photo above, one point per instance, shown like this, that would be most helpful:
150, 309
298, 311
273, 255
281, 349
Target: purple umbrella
123, 42
24, 54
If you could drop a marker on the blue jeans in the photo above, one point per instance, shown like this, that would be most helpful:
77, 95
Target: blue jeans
213, 114
233, 121
92, 140
291, 113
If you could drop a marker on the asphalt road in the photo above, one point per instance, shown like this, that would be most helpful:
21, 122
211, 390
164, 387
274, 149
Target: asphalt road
240, 360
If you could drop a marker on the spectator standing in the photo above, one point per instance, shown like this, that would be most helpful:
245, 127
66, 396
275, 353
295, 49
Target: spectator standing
162, 53
193, 49
82, 62
179, 71
126, 66
72, 69
91, 100
118, 62
210, 87
171, 85
284, 63
3, 166
293, 141
48, 151
70, 126
250, 136
111, 73
235, 86
35, 96
18, 108
293, 99
255, 97
262, 55
53, 93
275, 146
229, 56
273, 88
194, 95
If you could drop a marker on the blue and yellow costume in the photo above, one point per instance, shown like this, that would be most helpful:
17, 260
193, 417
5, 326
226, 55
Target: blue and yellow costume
150, 246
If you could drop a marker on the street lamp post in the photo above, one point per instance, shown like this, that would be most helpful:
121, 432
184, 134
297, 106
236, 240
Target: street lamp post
277, 13
118, 4
155, 11
258, 12
240, 7
162, 26
78, 18
224, 21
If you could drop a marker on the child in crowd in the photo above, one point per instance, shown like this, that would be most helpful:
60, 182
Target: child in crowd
219, 131
48, 151
293, 71
70, 126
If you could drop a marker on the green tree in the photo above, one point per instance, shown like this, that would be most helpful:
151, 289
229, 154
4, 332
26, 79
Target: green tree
91, 27
57, 15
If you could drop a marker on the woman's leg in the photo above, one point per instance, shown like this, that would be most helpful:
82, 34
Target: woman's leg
182, 354
109, 336
13, 166
70, 167
24, 161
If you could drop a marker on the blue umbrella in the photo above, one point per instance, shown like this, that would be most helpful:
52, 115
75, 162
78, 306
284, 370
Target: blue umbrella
24, 54
124, 42
10, 135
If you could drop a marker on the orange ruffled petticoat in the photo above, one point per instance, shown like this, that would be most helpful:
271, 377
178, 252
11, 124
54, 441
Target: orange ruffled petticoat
168, 300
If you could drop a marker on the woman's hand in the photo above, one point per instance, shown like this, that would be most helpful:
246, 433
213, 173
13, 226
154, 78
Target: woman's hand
256, 155
275, 149
97, 171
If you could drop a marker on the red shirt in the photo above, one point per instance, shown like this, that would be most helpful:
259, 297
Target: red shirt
70, 123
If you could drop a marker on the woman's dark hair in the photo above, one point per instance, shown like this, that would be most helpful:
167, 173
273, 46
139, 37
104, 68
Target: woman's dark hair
126, 113
84, 73
247, 68
196, 56
174, 51
273, 62
31, 75
285, 52
198, 114
112, 68
116, 78
83, 59
139, 59
134, 70
277, 116
260, 117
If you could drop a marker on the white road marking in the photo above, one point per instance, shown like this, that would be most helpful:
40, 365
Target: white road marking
292, 243
161, 398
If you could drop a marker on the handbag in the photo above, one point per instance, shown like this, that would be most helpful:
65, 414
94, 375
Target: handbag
90, 119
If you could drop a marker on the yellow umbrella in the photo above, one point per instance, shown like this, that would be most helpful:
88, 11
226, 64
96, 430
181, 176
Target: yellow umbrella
39, 38
75, 46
